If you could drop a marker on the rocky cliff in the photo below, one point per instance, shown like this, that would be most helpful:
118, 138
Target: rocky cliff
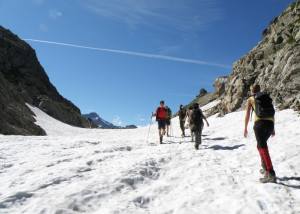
23, 80
274, 63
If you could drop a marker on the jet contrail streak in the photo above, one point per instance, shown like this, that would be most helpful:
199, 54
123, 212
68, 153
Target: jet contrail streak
155, 56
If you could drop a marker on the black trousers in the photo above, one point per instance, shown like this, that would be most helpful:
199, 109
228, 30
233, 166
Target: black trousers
263, 130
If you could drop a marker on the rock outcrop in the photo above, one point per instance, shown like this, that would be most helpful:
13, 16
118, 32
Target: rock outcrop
23, 80
274, 64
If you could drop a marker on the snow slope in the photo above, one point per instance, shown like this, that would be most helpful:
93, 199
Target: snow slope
76, 170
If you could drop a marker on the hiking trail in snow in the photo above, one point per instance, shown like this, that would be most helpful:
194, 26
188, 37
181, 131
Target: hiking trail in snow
76, 170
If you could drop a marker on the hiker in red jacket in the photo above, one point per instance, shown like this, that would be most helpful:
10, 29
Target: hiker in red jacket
160, 118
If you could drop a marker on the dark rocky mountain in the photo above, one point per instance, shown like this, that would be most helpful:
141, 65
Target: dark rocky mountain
131, 127
274, 64
23, 80
99, 121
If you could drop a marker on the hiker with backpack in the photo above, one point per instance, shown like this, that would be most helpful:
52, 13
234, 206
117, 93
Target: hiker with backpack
160, 118
261, 104
196, 124
187, 116
168, 117
181, 113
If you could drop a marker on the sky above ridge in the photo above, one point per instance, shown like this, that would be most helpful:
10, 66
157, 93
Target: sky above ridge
119, 58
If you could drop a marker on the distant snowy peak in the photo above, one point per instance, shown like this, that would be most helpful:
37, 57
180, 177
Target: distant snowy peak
99, 121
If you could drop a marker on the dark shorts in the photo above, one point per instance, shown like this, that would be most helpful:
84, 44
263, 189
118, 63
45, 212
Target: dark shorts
168, 122
161, 124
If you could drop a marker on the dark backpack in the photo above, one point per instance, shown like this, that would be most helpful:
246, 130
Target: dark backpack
196, 120
168, 113
263, 105
182, 113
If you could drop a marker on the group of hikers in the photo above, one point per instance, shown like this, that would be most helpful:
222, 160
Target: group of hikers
195, 121
261, 105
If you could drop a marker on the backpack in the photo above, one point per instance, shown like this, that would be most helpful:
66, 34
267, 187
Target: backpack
196, 121
263, 105
158, 113
182, 113
168, 113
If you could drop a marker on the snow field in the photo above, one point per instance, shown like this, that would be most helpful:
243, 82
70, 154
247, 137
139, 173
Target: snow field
75, 170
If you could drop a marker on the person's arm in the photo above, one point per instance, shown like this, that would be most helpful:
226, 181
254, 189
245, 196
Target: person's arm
273, 133
186, 115
203, 116
153, 115
247, 117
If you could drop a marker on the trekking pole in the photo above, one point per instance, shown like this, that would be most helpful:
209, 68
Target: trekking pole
149, 128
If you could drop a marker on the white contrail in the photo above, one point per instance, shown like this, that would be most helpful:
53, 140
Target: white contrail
156, 56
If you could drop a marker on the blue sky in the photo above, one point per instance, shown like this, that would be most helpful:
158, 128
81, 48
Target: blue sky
127, 55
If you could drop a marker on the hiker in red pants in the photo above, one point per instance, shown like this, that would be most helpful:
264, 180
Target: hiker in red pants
263, 128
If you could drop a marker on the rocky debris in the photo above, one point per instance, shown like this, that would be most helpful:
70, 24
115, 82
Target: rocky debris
23, 76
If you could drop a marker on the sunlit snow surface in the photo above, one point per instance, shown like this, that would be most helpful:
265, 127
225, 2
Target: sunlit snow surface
75, 170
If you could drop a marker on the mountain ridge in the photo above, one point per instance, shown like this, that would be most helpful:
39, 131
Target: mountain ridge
274, 63
99, 121
23, 80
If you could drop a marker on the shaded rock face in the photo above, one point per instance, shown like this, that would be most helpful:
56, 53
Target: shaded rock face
26, 81
15, 117
274, 64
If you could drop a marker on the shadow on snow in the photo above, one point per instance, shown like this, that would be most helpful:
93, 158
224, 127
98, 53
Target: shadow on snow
218, 147
288, 179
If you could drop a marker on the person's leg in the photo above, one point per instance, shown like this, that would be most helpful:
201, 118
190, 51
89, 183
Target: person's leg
192, 135
160, 135
163, 126
197, 140
159, 130
263, 130
182, 127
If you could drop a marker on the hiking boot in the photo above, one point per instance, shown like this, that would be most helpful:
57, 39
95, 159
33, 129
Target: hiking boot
197, 147
268, 178
262, 171
161, 139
